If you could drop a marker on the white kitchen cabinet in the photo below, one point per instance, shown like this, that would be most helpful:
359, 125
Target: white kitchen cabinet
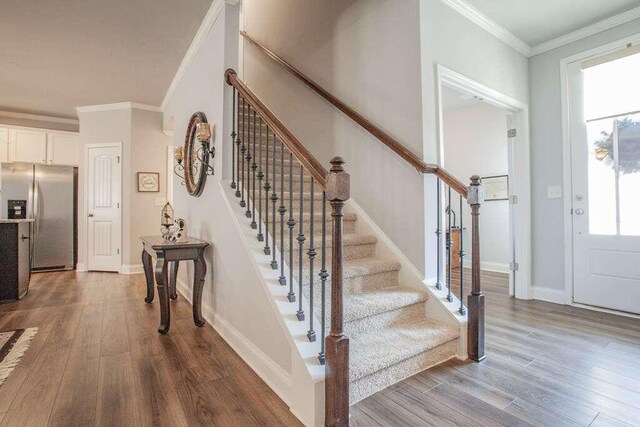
27, 146
4, 145
63, 149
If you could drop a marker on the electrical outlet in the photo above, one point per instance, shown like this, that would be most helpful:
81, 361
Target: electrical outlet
554, 192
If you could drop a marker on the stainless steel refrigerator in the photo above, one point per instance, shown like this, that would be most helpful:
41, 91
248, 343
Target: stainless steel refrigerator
48, 194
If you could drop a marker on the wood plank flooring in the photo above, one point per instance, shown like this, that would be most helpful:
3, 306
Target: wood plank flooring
547, 365
98, 360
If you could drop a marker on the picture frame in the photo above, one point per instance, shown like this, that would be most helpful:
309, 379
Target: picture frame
148, 182
495, 187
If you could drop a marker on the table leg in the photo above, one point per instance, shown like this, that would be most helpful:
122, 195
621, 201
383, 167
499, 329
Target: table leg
198, 283
162, 281
148, 274
172, 280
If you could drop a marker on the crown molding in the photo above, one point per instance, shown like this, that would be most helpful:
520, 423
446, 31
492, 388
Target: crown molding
38, 118
489, 25
587, 31
118, 106
210, 18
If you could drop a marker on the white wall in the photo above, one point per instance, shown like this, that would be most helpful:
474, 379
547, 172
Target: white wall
546, 154
232, 294
449, 39
475, 142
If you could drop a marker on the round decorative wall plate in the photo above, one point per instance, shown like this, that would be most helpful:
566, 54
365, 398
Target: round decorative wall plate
196, 156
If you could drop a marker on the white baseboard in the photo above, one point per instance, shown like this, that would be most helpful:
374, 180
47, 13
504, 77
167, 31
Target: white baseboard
498, 267
270, 372
81, 268
547, 294
131, 269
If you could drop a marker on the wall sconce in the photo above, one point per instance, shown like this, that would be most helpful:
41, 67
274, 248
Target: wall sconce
204, 153
178, 169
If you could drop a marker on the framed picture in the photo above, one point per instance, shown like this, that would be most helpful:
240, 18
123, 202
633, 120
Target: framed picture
148, 182
495, 187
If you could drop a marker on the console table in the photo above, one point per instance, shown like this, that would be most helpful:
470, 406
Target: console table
166, 252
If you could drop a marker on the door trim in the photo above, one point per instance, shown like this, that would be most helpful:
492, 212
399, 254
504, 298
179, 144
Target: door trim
567, 178
85, 202
522, 173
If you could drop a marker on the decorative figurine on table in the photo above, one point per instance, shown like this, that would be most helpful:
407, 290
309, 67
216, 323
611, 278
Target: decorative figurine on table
179, 231
166, 221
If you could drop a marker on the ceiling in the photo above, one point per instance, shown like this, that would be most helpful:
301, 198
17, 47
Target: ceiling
538, 21
455, 100
58, 55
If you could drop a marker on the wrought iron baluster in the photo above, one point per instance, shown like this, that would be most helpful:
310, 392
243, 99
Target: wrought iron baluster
254, 167
242, 151
274, 200
312, 254
237, 152
267, 187
248, 159
323, 280
438, 234
282, 210
233, 141
291, 223
449, 250
462, 310
301, 239
260, 178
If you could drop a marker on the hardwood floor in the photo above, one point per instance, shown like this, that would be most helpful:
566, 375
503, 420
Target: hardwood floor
547, 365
99, 360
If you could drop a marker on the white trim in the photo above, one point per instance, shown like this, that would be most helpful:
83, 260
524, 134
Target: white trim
131, 269
587, 31
555, 296
210, 18
522, 178
81, 267
39, 118
489, 25
118, 106
498, 267
567, 178
271, 373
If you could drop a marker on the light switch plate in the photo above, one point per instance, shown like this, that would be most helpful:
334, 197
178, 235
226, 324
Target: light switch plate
160, 201
554, 192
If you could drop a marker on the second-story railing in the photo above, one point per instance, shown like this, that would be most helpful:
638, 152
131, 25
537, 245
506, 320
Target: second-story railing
285, 191
446, 183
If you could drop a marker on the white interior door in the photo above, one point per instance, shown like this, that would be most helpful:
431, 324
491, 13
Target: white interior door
103, 195
605, 151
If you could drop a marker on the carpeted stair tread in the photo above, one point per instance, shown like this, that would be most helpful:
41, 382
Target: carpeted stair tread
378, 350
351, 239
365, 304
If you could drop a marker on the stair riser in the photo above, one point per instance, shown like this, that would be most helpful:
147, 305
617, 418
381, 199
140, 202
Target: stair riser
317, 190
385, 320
349, 252
349, 228
370, 282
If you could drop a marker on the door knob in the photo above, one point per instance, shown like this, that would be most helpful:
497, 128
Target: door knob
90, 216
579, 211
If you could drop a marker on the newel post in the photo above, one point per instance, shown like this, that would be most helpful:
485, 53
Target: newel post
475, 325
337, 343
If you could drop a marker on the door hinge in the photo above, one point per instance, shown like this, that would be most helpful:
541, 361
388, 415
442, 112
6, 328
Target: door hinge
514, 200
118, 159
514, 266
118, 205
117, 251
511, 133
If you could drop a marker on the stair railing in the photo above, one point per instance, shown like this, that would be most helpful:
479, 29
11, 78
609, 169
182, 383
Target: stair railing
267, 158
473, 194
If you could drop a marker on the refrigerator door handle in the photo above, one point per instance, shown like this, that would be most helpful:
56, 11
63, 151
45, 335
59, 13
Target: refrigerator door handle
36, 208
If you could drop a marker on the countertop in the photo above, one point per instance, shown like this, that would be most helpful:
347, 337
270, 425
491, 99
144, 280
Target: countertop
14, 221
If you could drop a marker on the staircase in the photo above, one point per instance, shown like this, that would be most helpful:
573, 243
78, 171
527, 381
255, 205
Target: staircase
391, 336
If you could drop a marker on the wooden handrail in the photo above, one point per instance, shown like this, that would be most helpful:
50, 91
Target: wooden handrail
304, 156
381, 135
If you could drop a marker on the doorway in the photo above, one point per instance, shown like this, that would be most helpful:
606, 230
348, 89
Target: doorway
103, 198
507, 208
604, 133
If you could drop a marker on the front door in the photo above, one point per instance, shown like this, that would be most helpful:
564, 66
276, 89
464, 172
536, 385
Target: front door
103, 208
605, 144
